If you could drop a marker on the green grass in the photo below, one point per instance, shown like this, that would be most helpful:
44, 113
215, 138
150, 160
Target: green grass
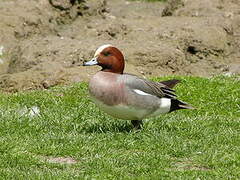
187, 144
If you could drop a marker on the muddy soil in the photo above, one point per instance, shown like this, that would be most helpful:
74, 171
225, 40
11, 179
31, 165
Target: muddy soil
43, 43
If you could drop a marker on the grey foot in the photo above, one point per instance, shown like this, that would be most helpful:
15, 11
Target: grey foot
137, 124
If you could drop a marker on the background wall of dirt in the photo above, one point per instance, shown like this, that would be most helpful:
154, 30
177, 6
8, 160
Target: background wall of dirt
44, 42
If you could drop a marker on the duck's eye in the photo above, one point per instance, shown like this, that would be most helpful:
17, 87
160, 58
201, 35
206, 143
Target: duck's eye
106, 53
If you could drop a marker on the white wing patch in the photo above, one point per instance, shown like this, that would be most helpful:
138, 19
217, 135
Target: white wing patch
141, 92
101, 48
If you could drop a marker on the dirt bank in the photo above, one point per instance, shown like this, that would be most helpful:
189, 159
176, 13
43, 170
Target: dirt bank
42, 43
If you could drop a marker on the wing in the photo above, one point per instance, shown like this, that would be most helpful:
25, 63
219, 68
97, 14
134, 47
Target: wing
171, 83
154, 88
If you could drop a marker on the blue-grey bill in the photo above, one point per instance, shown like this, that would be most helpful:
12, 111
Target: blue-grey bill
91, 62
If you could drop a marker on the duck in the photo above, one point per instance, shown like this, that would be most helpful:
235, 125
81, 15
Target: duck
127, 96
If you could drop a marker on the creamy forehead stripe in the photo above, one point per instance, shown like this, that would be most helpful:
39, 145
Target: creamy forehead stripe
101, 48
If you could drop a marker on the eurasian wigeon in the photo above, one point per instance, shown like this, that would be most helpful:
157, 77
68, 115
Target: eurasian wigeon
126, 96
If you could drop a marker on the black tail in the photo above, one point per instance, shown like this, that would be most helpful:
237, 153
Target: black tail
170, 83
177, 104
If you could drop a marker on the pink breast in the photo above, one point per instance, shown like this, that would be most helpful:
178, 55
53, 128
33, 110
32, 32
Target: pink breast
105, 88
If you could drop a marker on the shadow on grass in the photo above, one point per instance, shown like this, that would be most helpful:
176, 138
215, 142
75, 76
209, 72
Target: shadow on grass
103, 128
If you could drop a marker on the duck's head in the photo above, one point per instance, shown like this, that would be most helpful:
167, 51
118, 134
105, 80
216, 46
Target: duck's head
109, 58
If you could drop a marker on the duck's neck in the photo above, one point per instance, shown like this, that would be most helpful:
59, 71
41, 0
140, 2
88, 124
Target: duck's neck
112, 71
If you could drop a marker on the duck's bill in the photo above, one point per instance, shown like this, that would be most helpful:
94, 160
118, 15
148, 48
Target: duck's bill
92, 62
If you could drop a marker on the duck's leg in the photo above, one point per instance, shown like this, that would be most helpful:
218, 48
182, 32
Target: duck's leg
137, 124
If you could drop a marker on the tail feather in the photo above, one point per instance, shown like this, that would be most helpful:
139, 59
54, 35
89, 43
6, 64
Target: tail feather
170, 83
169, 93
177, 104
